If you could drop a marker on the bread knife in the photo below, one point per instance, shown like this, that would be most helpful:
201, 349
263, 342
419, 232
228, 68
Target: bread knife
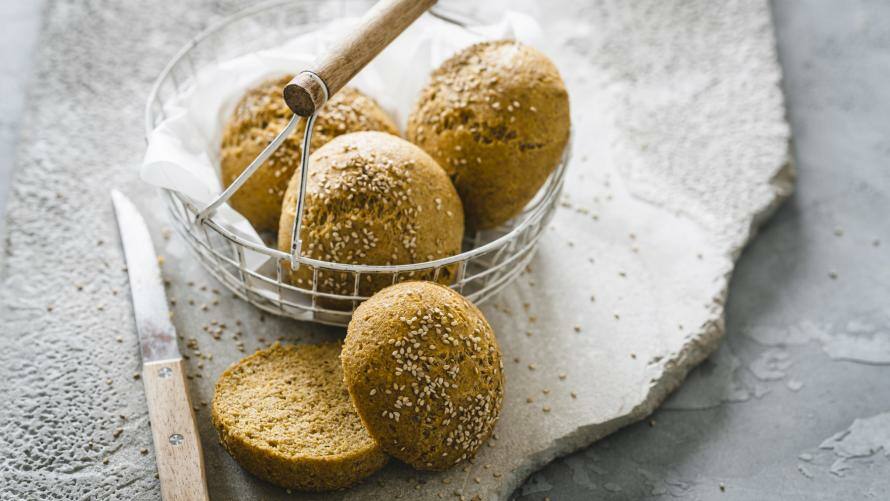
176, 441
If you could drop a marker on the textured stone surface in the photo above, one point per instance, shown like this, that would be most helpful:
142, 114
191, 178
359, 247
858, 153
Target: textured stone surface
802, 359
670, 174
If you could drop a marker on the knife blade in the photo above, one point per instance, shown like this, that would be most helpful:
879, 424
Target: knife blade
157, 336
174, 431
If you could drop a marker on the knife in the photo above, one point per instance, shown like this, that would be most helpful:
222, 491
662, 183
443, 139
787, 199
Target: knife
175, 434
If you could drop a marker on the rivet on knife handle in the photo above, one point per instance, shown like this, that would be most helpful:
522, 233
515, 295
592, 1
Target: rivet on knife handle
174, 431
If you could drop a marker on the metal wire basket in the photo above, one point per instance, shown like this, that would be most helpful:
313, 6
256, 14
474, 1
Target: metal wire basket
490, 259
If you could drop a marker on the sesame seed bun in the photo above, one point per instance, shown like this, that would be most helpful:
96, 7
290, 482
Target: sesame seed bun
496, 118
424, 371
376, 199
258, 118
284, 414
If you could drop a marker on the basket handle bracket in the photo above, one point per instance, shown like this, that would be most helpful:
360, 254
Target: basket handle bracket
296, 243
242, 178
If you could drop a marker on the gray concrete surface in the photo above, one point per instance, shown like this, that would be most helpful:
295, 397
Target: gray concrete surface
19, 28
774, 414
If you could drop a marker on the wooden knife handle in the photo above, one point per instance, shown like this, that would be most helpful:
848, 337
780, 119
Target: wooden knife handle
308, 91
175, 434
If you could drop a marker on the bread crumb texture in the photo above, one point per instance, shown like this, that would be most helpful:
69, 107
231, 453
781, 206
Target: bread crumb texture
259, 117
285, 415
496, 117
372, 198
424, 371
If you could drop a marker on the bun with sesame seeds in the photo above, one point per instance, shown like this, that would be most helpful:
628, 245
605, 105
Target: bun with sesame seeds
375, 199
496, 118
284, 414
424, 371
258, 117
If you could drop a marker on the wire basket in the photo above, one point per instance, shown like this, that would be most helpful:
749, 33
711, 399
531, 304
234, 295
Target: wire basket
489, 260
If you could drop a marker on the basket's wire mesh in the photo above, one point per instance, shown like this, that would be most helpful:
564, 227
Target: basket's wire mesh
490, 259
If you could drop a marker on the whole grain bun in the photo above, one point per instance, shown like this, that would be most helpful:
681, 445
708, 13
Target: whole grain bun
496, 117
376, 199
259, 116
284, 414
424, 371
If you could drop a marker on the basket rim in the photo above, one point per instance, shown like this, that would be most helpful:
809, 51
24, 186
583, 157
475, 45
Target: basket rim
553, 183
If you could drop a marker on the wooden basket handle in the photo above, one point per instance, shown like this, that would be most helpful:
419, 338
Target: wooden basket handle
309, 90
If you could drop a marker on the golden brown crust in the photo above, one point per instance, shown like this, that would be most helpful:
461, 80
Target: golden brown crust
284, 414
496, 117
372, 198
424, 371
259, 117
